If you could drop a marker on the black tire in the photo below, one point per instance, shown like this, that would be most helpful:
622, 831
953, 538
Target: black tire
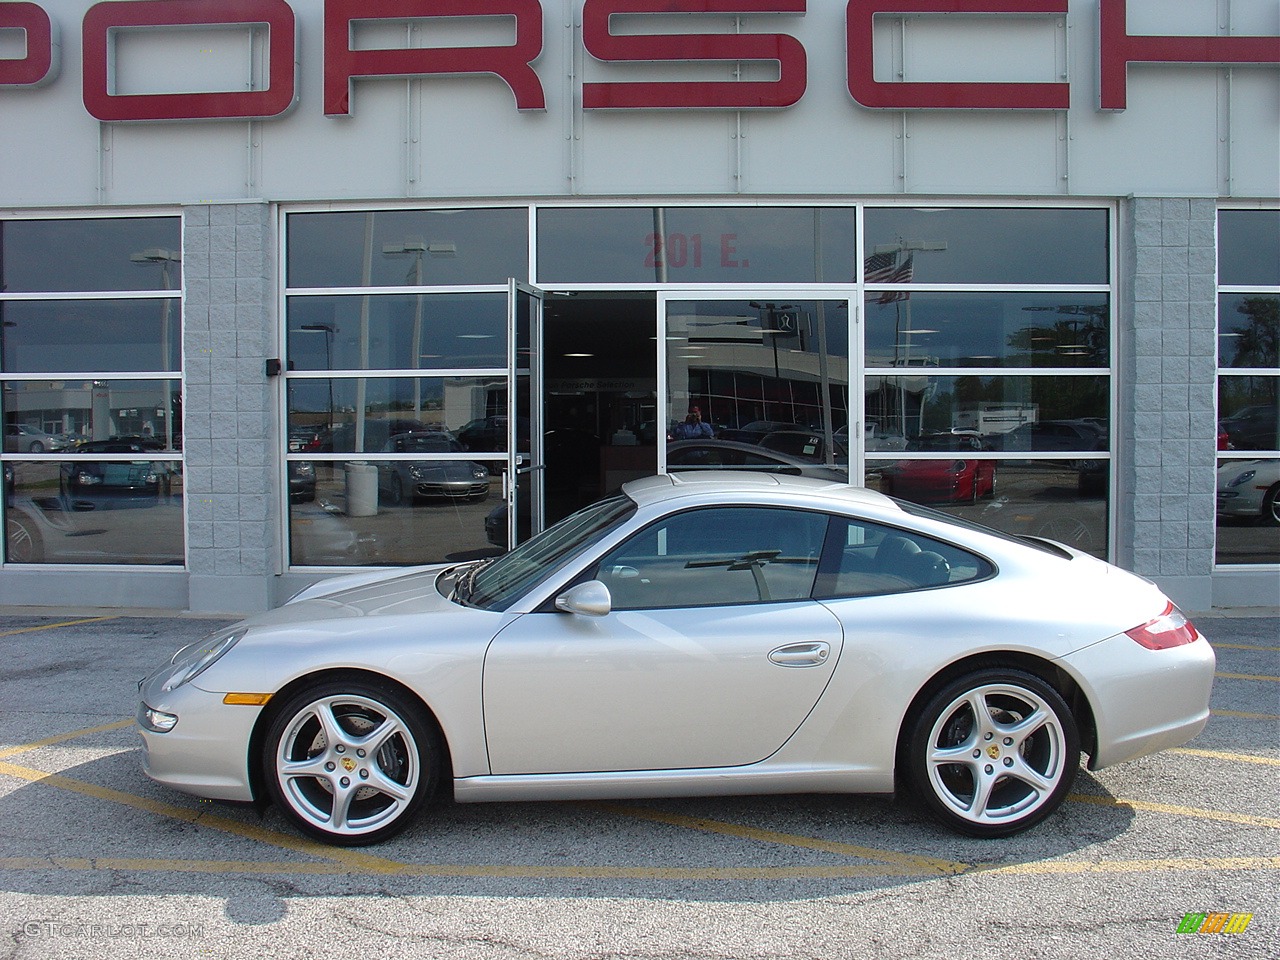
397, 490
361, 742
36, 447
1001, 774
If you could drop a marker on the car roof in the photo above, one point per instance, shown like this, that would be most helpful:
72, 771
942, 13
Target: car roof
728, 483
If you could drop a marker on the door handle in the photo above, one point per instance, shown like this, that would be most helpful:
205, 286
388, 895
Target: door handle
809, 654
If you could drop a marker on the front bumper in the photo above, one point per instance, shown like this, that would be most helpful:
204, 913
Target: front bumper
1144, 700
454, 491
207, 751
1233, 503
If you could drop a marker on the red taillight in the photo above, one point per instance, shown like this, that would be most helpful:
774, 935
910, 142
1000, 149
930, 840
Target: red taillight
1170, 629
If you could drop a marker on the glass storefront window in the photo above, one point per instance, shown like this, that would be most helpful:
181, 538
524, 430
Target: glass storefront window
696, 245
428, 331
1249, 248
771, 375
92, 457
1062, 500
49, 336
396, 248
989, 245
472, 409
394, 513
1249, 331
987, 330
94, 511
1248, 511
56, 256
1248, 476
1042, 413
76, 416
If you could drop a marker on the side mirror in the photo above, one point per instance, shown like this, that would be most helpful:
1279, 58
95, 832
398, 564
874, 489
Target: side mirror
590, 599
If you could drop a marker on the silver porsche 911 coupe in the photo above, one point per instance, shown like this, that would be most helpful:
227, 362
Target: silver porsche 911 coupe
700, 634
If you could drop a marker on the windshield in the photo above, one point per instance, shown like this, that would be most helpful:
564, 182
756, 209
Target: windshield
498, 584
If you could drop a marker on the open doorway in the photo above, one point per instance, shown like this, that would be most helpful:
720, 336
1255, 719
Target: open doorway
600, 380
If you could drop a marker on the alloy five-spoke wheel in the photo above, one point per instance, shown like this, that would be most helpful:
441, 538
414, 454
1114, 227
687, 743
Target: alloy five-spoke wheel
995, 752
351, 763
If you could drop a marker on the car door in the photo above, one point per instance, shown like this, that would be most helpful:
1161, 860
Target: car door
712, 656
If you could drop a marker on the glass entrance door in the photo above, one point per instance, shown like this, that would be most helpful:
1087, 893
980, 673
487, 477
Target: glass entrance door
526, 469
759, 382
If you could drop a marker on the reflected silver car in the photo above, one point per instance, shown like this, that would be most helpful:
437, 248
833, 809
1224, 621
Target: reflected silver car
1250, 488
700, 634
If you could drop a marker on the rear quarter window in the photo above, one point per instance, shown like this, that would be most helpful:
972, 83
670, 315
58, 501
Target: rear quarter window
863, 559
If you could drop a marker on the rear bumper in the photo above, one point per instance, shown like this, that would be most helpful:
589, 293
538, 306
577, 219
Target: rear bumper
1144, 700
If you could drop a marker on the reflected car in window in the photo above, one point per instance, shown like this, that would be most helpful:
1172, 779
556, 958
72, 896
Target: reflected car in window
805, 445
627, 650
406, 481
1253, 428
24, 438
941, 481
1050, 436
1250, 489
122, 483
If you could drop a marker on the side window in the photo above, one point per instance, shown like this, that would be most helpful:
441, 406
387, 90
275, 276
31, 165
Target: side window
865, 559
717, 556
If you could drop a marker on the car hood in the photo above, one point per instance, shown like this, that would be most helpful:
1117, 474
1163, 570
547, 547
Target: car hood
378, 593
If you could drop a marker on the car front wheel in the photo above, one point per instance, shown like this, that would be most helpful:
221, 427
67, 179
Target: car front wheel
994, 753
350, 762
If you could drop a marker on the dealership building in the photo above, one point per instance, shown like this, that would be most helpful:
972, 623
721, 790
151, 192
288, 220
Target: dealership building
292, 289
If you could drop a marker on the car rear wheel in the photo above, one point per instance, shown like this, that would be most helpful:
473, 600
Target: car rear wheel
351, 762
994, 753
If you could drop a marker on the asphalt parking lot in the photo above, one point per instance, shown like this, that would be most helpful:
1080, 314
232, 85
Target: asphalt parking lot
97, 861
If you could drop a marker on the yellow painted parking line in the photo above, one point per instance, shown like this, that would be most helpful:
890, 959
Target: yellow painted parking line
204, 818
1186, 864
1222, 815
1233, 757
1246, 716
62, 738
1246, 676
54, 626
1240, 646
929, 865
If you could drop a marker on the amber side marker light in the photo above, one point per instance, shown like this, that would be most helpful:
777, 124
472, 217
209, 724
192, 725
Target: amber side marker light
1170, 629
246, 699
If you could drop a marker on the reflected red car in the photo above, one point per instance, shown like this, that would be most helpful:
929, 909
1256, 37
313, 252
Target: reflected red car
940, 481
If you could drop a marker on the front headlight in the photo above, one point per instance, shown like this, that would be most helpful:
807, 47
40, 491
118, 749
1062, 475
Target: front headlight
191, 661
1243, 478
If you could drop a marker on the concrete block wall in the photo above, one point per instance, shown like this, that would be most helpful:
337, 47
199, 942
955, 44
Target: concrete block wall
233, 469
1168, 370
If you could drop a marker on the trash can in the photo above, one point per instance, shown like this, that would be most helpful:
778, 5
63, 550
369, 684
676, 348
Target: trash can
362, 490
